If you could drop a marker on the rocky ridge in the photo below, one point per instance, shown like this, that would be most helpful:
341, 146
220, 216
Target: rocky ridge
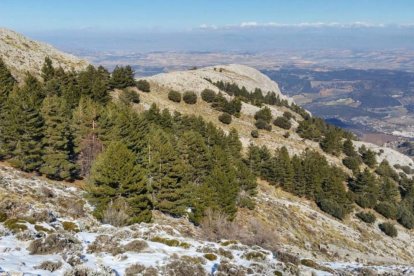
23, 55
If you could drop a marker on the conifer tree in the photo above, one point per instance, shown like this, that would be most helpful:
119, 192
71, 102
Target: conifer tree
331, 143
23, 130
86, 130
165, 172
7, 82
366, 187
348, 148
57, 163
48, 72
116, 175
194, 152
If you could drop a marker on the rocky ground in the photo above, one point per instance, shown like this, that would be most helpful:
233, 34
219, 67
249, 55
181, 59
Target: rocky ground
47, 229
23, 55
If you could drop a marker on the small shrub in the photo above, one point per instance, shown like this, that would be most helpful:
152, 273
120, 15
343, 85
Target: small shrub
144, 86
389, 229
286, 257
116, 214
129, 96
15, 225
315, 265
208, 95
254, 133
210, 256
171, 242
366, 217
225, 253
3, 217
351, 163
366, 201
405, 217
261, 124
136, 246
53, 243
190, 97
225, 118
229, 242
264, 114
332, 208
174, 96
286, 135
282, 122
40, 228
49, 266
254, 256
70, 226
135, 269
387, 209
105, 243
287, 115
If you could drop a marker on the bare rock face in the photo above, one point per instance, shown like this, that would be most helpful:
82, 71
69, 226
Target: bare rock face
22, 54
200, 79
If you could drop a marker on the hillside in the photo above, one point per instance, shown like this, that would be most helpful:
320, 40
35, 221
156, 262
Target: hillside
117, 176
57, 235
22, 54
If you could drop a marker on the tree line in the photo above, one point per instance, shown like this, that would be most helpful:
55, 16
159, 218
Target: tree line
66, 127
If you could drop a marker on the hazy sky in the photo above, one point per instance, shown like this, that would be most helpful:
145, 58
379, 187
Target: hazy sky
213, 25
46, 15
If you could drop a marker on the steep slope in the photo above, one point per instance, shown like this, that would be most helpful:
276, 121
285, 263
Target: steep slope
195, 80
49, 238
198, 80
22, 54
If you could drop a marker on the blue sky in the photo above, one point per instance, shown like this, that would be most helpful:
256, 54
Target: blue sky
46, 15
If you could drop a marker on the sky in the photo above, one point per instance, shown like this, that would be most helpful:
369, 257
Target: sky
46, 15
211, 25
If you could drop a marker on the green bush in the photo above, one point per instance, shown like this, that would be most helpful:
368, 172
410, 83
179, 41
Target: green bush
387, 209
225, 118
190, 97
143, 85
366, 201
210, 256
264, 114
3, 217
208, 95
287, 115
128, 96
389, 229
332, 208
174, 96
352, 163
261, 124
405, 217
282, 122
366, 217
254, 133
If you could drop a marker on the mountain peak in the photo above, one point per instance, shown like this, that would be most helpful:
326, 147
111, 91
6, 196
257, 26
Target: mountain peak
23, 55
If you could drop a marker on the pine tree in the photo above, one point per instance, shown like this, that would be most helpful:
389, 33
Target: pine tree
348, 148
116, 175
366, 188
86, 130
23, 130
194, 152
331, 143
7, 82
48, 72
57, 163
165, 173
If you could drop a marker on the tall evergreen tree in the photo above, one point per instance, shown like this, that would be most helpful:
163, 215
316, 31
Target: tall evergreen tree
165, 173
48, 72
116, 175
86, 130
23, 130
57, 140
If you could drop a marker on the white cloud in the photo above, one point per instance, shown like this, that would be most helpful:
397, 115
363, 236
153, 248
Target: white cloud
254, 24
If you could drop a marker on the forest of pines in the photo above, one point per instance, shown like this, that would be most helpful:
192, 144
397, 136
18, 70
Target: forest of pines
66, 127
